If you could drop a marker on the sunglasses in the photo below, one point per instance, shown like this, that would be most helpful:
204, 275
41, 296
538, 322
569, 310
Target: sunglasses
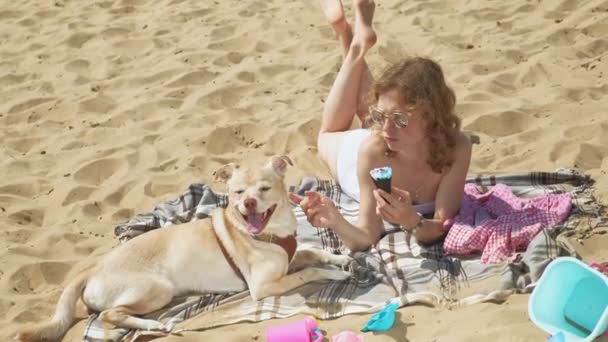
400, 119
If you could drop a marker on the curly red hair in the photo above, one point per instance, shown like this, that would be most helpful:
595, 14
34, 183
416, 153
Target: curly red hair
420, 80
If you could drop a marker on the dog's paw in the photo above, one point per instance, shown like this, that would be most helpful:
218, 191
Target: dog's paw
341, 260
158, 326
336, 274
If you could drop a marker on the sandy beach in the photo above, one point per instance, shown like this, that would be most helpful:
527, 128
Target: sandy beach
110, 107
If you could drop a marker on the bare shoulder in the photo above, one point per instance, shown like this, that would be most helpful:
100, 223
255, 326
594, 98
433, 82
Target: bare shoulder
463, 146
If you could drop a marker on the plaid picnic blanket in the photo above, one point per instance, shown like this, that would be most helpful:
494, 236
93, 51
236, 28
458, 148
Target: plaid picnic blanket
397, 269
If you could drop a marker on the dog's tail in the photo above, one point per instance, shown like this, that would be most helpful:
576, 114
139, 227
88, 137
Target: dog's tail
54, 329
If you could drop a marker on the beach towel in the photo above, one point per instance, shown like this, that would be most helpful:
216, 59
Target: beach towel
396, 269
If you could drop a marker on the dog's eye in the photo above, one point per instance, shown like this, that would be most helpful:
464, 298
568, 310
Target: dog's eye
239, 192
264, 188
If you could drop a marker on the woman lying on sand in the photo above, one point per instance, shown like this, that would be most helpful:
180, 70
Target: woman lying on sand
414, 131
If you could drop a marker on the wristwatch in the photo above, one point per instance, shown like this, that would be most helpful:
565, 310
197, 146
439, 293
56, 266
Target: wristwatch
418, 225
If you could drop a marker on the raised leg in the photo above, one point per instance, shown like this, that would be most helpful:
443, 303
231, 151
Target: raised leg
348, 95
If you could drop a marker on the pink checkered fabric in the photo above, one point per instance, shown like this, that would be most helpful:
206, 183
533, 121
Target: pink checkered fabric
498, 223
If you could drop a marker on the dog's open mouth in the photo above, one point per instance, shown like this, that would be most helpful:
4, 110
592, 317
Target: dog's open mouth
256, 222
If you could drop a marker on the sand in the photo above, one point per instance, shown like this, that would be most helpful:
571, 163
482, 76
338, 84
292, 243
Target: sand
109, 107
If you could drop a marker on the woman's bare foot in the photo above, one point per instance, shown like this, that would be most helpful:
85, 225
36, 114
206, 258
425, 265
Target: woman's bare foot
334, 12
364, 37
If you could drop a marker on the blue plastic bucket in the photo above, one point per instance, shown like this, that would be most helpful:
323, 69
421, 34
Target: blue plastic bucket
572, 298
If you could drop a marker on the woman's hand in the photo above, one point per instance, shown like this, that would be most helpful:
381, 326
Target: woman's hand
396, 207
320, 210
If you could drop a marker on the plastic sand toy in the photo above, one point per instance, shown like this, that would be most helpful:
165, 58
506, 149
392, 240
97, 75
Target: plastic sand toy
382, 320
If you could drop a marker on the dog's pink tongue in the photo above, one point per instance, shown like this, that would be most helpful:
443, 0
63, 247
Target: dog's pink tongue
254, 222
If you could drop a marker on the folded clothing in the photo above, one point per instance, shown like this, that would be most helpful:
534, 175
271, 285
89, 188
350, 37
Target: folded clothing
498, 223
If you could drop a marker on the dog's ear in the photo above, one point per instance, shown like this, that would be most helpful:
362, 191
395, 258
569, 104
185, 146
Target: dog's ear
279, 164
224, 173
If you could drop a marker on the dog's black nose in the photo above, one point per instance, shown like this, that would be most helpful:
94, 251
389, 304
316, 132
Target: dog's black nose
250, 203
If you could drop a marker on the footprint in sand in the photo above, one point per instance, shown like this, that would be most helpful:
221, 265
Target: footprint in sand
98, 171
156, 78
165, 166
115, 32
77, 194
20, 167
23, 145
478, 96
180, 93
246, 13
29, 104
123, 11
218, 143
25, 190
246, 76
229, 59
47, 14
593, 93
97, 104
201, 13
563, 37
17, 236
35, 311
534, 74
583, 132
74, 145
27, 22
597, 30
221, 98
223, 32
276, 70
28, 217
160, 186
200, 77
590, 156
561, 150
10, 14
79, 66
133, 2
244, 135
33, 276
77, 40
133, 47
115, 198
123, 215
92, 210
5, 304
597, 47
9, 80
241, 43
486, 69
501, 124
161, 33
153, 125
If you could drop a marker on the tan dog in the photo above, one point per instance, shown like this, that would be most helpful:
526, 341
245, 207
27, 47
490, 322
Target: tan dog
247, 245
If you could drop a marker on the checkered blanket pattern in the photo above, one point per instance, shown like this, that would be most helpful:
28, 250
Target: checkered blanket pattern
396, 269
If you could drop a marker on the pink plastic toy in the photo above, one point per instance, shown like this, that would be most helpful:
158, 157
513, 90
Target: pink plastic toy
347, 336
301, 331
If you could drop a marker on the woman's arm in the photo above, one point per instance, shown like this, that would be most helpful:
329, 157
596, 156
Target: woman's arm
397, 206
321, 211
369, 227
449, 194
